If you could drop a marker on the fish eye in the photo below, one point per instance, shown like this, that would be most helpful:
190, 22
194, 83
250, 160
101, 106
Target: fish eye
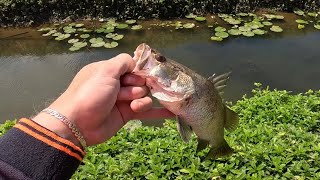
160, 58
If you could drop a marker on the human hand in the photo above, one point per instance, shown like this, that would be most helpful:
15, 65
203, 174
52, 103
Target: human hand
101, 99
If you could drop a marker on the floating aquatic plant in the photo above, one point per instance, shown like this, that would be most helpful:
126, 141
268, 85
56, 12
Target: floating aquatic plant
96, 42
220, 29
267, 23
191, 16
56, 34
298, 12
131, 21
222, 34
78, 45
312, 14
72, 41
248, 33
113, 44
301, 21
243, 14
118, 37
301, 26
62, 37
234, 32
200, 18
122, 26
111, 35
317, 26
258, 31
85, 36
47, 29
189, 25
276, 28
79, 25
136, 27
215, 38
244, 28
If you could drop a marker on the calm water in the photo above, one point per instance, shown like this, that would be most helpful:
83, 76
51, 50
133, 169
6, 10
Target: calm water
34, 70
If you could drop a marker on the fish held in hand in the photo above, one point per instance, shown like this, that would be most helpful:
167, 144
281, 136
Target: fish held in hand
194, 99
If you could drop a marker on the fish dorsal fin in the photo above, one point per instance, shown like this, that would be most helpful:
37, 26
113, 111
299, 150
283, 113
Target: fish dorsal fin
184, 129
231, 119
220, 82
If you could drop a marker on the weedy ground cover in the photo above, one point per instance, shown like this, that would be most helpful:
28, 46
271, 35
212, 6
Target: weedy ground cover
277, 138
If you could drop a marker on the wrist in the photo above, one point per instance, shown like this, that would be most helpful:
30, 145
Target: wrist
51, 123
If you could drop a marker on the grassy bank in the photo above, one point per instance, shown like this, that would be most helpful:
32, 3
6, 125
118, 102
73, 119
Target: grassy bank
278, 138
28, 12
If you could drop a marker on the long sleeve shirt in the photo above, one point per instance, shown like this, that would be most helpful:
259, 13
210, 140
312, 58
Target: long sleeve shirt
30, 151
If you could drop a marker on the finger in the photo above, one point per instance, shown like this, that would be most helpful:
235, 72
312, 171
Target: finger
142, 104
154, 113
119, 65
132, 80
132, 92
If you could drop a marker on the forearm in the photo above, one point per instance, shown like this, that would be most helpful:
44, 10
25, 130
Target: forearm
37, 152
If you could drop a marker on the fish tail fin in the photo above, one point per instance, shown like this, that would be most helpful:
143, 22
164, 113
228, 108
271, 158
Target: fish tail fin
202, 144
222, 150
231, 119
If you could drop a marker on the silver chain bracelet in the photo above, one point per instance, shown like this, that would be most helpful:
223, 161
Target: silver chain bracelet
67, 122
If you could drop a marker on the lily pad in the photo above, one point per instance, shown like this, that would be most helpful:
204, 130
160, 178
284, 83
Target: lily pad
301, 21
72, 41
279, 17
191, 16
122, 26
57, 34
118, 37
258, 31
234, 32
189, 25
299, 12
244, 28
109, 30
267, 23
85, 36
317, 26
215, 38
62, 37
111, 35
312, 14
243, 14
136, 27
47, 29
276, 28
100, 30
131, 21
220, 29
96, 40
113, 44
222, 34
80, 44
98, 44
301, 26
87, 30
50, 32
248, 33
73, 48
200, 18
70, 31
233, 21
79, 25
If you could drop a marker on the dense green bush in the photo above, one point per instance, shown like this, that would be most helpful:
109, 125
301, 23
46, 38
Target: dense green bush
278, 138
15, 12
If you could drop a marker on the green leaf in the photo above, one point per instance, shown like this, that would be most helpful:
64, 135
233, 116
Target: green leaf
72, 48
113, 44
248, 33
189, 25
118, 37
200, 18
220, 29
299, 12
276, 29
215, 38
72, 41
85, 36
185, 171
234, 32
301, 21
222, 34
79, 25
244, 28
191, 16
136, 27
258, 31
131, 21
312, 14
110, 35
267, 23
317, 26
98, 44
301, 26
122, 26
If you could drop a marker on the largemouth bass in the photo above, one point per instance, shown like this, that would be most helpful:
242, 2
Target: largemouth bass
194, 99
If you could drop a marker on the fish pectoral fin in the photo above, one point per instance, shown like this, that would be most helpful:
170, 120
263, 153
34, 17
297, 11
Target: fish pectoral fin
202, 144
184, 129
222, 150
220, 82
231, 119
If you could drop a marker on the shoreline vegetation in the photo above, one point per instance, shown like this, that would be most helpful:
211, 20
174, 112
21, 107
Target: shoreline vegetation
277, 138
32, 13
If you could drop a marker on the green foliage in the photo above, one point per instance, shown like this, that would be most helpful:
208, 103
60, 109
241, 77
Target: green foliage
277, 138
6, 126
